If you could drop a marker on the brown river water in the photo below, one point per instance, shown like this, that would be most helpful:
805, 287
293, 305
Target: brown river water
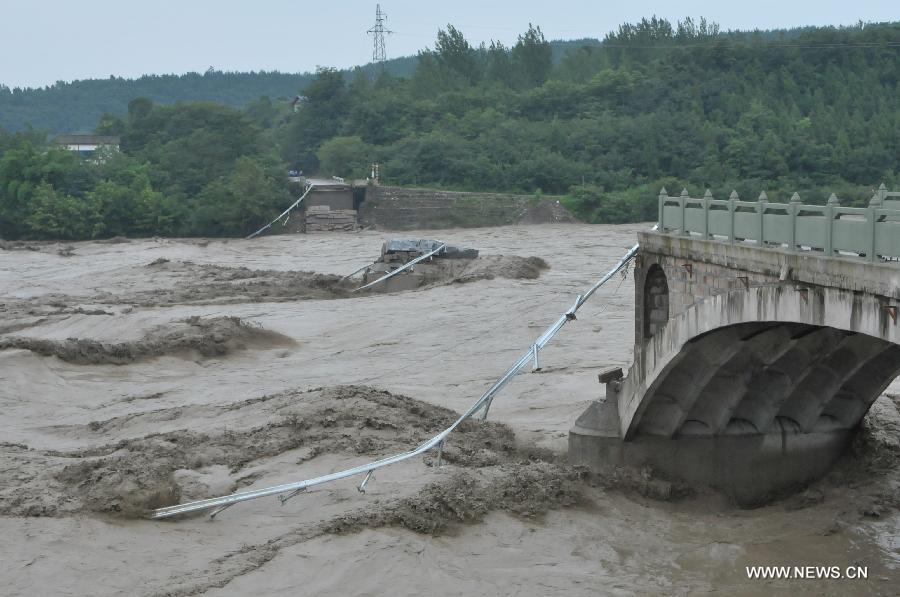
134, 374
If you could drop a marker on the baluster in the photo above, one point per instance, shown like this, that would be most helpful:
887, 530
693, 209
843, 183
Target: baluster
829, 230
761, 210
663, 195
875, 204
793, 210
733, 198
707, 197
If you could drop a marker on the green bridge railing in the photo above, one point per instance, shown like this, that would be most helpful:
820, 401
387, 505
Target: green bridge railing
868, 232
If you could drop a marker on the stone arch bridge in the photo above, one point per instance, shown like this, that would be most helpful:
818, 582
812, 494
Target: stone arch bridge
763, 334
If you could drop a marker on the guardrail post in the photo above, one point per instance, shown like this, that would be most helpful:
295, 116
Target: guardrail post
683, 201
663, 195
875, 203
487, 407
731, 207
362, 486
707, 197
793, 210
761, 210
829, 228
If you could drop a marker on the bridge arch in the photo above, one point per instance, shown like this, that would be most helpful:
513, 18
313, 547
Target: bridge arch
769, 376
778, 358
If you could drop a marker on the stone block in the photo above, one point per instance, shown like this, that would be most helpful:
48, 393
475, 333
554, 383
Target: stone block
659, 316
610, 374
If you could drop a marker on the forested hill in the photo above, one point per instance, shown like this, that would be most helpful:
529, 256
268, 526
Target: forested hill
75, 107
814, 110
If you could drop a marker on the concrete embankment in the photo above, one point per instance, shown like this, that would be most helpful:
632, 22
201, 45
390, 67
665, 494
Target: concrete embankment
399, 208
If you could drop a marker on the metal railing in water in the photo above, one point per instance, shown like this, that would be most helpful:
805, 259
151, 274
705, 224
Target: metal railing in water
288, 490
404, 267
284, 213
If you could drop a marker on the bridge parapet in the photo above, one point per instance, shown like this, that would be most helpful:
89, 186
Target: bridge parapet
871, 232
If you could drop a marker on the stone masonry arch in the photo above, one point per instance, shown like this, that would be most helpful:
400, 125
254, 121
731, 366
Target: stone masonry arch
756, 380
739, 343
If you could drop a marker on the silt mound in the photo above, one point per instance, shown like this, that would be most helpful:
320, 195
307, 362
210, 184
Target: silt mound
213, 337
216, 284
526, 488
132, 476
510, 267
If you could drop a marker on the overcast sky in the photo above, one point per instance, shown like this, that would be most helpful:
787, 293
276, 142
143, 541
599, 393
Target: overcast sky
43, 41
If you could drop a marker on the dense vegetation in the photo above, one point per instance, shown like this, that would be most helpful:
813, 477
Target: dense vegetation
812, 110
75, 107
193, 168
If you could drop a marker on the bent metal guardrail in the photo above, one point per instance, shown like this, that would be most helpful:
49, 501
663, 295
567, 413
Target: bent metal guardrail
872, 232
288, 490
284, 213
405, 266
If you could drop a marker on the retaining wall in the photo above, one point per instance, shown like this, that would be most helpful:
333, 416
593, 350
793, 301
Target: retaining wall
400, 208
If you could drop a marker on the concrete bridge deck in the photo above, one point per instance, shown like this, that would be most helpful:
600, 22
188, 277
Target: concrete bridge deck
760, 343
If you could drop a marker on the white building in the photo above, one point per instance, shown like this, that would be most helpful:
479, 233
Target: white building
87, 144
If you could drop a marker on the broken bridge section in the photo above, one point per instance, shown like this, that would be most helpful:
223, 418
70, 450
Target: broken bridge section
757, 354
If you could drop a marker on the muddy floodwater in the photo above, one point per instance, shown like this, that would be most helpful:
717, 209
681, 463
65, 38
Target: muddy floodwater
137, 374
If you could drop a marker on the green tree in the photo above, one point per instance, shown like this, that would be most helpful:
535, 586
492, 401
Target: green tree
189, 145
128, 205
56, 215
533, 55
345, 156
318, 118
247, 198
453, 54
499, 65
23, 170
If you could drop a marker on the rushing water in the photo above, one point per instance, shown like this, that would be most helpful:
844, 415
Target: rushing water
443, 345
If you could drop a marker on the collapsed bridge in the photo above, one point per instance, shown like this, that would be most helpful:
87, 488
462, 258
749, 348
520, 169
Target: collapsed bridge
763, 334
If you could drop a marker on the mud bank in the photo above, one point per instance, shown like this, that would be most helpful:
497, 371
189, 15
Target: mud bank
213, 284
210, 337
488, 267
869, 471
178, 283
491, 470
526, 488
134, 475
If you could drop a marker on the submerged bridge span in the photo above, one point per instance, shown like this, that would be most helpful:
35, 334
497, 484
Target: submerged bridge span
763, 334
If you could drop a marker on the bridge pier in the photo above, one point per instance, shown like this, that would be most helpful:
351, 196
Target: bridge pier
751, 469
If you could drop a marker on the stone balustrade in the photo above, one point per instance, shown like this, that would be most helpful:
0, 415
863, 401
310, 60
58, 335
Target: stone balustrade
871, 232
